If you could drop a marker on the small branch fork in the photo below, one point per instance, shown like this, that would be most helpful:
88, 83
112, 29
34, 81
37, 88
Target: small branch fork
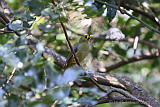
134, 17
130, 60
131, 91
8, 80
3, 31
5, 7
11, 76
66, 35
125, 97
151, 17
70, 46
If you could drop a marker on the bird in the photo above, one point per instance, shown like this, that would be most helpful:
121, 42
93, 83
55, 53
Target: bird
81, 50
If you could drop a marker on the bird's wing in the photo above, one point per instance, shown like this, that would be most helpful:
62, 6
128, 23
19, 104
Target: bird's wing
75, 48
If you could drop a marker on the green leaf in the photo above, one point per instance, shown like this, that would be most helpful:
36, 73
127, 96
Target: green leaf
15, 26
92, 12
111, 12
63, 19
119, 50
155, 63
11, 60
35, 6
4, 39
38, 103
46, 27
60, 37
149, 35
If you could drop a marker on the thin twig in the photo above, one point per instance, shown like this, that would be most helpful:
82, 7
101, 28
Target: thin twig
152, 18
66, 35
27, 88
98, 85
125, 97
130, 40
75, 57
126, 84
11, 76
2, 21
134, 17
4, 17
152, 13
129, 60
45, 80
70, 46
111, 98
136, 40
5, 30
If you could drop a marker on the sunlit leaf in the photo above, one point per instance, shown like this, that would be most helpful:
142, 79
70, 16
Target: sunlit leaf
71, 74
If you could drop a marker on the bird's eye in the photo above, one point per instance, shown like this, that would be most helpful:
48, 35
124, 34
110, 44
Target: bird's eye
86, 36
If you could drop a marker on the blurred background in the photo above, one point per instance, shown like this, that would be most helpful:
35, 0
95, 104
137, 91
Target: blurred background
40, 76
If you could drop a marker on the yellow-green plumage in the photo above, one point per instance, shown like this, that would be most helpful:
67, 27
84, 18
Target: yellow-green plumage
81, 50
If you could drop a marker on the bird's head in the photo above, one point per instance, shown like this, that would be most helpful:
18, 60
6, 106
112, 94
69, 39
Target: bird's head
85, 38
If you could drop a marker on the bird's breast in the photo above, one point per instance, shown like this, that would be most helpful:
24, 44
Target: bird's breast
83, 51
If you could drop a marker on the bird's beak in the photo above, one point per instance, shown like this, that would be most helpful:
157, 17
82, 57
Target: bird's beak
89, 37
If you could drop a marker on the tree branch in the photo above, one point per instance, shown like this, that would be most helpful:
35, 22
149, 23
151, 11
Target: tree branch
123, 83
66, 35
152, 18
58, 59
126, 84
112, 99
5, 7
107, 80
128, 95
125, 12
125, 97
70, 46
4, 17
130, 60
5, 30
130, 40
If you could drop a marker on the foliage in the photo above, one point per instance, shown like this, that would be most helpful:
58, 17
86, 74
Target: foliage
40, 82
